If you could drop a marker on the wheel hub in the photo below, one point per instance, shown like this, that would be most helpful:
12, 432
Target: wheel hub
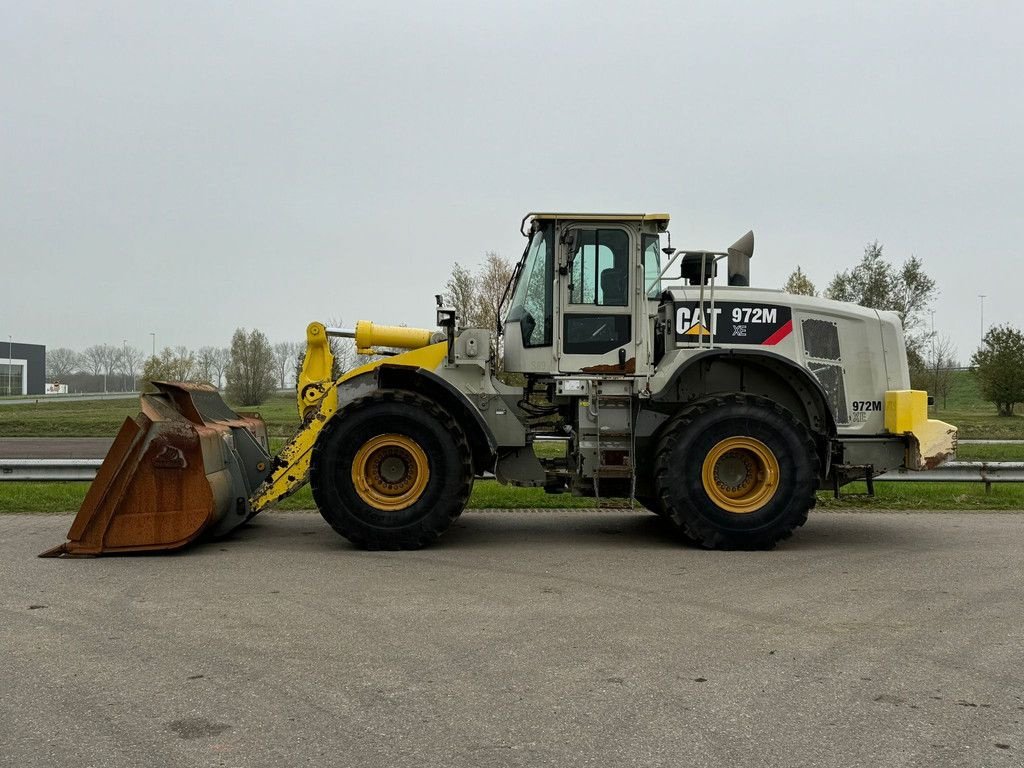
740, 474
393, 469
390, 472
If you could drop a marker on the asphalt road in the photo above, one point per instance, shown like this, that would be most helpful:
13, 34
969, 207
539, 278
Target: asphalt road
54, 447
555, 639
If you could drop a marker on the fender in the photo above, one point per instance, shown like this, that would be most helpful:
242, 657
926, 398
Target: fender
772, 361
480, 435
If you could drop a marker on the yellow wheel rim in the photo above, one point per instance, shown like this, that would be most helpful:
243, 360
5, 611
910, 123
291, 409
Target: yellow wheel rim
390, 472
740, 474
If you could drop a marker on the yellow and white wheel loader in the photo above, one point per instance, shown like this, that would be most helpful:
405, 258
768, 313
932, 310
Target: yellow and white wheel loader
720, 406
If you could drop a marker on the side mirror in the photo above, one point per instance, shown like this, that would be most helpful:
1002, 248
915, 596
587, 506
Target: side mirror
569, 240
740, 254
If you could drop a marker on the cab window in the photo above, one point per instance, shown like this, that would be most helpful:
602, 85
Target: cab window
652, 265
600, 268
532, 299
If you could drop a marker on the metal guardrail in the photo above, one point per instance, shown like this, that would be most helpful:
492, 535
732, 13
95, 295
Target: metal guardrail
987, 472
74, 470
990, 442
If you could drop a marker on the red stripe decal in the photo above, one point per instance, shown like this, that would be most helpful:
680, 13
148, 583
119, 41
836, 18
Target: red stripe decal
779, 335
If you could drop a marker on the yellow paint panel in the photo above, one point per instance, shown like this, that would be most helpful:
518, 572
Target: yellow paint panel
905, 409
931, 441
369, 336
292, 462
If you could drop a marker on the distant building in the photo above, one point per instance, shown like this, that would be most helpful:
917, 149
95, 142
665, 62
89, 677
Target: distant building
22, 368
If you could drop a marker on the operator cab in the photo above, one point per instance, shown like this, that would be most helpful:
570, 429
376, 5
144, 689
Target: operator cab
581, 293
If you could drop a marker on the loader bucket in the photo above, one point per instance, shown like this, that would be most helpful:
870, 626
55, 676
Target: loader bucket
180, 471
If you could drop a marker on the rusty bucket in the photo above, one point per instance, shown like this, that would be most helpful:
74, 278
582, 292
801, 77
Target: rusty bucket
180, 471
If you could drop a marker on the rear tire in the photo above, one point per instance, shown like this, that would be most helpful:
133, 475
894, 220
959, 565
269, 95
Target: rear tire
737, 472
391, 471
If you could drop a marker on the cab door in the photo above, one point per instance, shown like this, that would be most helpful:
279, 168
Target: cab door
596, 296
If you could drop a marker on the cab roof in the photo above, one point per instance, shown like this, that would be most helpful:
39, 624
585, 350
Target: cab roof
659, 217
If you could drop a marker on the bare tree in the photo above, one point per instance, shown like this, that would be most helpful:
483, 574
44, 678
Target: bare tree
111, 360
184, 364
92, 360
477, 297
942, 360
206, 365
130, 362
61, 363
460, 293
221, 361
101, 360
285, 353
342, 349
491, 281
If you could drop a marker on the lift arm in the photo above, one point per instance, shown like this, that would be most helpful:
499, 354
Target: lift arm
318, 399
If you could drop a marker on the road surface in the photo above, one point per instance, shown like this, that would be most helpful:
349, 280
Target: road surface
522, 639
54, 447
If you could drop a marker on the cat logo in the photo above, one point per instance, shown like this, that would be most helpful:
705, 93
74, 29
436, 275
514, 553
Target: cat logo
697, 329
732, 322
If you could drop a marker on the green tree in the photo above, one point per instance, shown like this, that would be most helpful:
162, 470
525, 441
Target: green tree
250, 374
178, 364
999, 365
906, 290
799, 283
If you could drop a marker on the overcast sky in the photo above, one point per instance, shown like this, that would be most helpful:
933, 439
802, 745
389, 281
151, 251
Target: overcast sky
184, 168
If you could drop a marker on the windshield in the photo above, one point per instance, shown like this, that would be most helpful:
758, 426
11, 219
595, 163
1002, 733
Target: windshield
531, 302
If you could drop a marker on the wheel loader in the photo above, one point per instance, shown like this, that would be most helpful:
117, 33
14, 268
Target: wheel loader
665, 376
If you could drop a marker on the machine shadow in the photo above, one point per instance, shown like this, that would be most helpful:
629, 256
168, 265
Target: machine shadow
505, 530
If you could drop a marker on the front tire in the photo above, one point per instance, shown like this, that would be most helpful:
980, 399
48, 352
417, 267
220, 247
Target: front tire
391, 471
651, 503
737, 472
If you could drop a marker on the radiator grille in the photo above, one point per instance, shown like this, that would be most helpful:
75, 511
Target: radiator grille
821, 339
831, 378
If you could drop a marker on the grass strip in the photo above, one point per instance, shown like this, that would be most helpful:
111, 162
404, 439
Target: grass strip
64, 498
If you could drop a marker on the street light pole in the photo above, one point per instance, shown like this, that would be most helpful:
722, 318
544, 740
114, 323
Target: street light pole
935, 358
10, 363
124, 361
154, 344
982, 297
